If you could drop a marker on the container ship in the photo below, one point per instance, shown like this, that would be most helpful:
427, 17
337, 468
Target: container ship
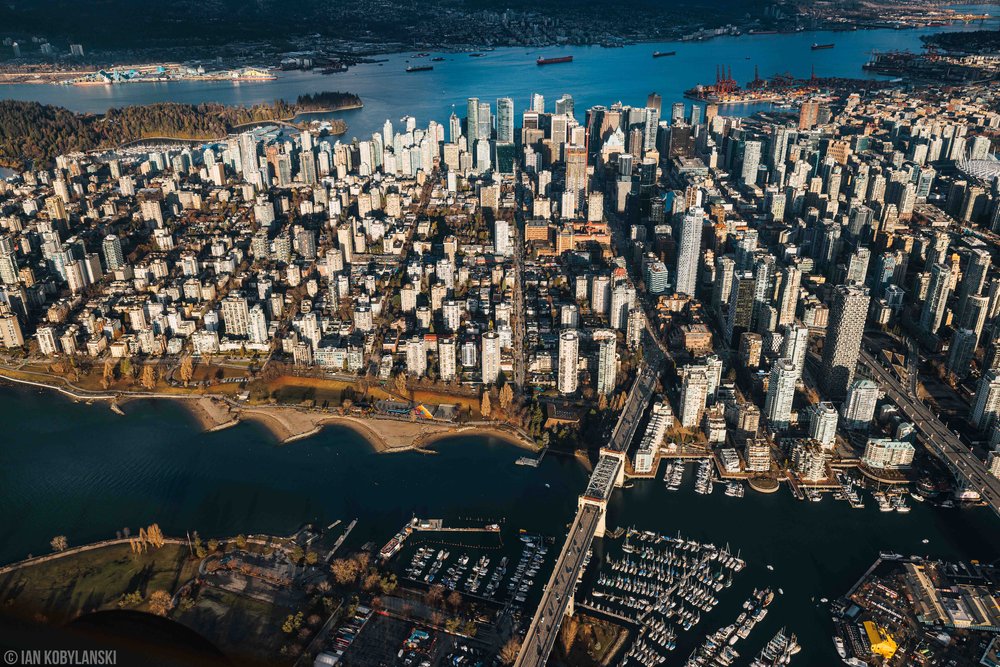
419, 68
819, 47
661, 54
553, 61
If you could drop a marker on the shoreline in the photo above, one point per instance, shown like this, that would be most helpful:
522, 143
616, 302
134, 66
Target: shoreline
39, 78
288, 424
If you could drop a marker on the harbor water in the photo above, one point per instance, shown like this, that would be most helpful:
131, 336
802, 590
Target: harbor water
596, 76
84, 472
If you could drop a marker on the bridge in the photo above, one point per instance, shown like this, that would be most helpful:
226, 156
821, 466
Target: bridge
557, 597
965, 465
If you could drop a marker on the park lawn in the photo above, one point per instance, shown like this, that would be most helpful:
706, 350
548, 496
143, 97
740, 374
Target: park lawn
64, 588
241, 626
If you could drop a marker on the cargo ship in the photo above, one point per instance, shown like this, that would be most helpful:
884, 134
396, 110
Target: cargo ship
553, 61
661, 54
419, 68
818, 47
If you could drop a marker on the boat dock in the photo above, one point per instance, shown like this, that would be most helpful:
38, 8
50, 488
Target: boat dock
340, 540
437, 526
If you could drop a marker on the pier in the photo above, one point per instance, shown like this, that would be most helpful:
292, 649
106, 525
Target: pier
437, 526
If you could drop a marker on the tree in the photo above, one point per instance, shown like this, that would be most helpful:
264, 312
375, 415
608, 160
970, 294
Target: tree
59, 543
485, 408
187, 369
345, 570
130, 599
567, 634
510, 650
148, 377
311, 557
399, 385
109, 373
160, 603
455, 600
506, 397
126, 367
434, 595
241, 542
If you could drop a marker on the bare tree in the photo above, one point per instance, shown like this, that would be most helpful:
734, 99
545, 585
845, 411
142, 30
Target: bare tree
148, 377
187, 369
510, 650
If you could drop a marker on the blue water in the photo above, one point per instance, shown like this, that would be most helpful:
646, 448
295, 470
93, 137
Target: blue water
596, 76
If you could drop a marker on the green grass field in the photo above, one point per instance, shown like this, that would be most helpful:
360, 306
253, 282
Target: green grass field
62, 589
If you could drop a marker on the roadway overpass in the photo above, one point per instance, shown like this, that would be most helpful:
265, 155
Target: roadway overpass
939, 438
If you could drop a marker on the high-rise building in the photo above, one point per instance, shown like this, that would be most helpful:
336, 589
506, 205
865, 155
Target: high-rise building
576, 168
10, 330
963, 347
932, 313
788, 299
114, 259
600, 295
694, 395
859, 405
569, 355
501, 237
780, 394
446, 359
505, 120
741, 304
416, 356
842, 347
823, 424
751, 161
689, 252
236, 315
622, 301
472, 120
987, 401
607, 360
973, 278
490, 357
795, 346
257, 325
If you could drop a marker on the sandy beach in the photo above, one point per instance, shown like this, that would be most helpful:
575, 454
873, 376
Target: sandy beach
288, 424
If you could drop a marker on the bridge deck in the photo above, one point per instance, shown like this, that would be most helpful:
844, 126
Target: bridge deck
602, 480
544, 628
938, 437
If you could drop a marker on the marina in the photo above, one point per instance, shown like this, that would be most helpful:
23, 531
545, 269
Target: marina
486, 571
663, 586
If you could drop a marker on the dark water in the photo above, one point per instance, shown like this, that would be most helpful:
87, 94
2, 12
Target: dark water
84, 472
68, 468
817, 550
597, 75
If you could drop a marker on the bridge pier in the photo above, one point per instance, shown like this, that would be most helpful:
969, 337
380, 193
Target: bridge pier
602, 507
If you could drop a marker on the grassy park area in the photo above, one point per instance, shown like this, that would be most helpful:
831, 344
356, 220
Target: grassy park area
63, 588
